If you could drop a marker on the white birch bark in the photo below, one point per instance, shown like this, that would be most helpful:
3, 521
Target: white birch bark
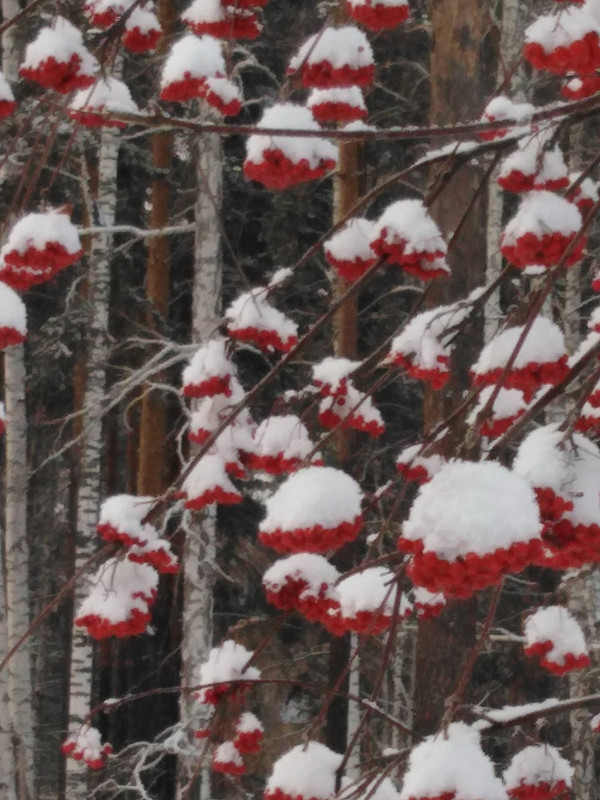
511, 40
17, 569
353, 765
16, 716
91, 454
199, 548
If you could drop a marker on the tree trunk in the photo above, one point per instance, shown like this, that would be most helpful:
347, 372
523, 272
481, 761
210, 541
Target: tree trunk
90, 483
17, 569
200, 535
458, 31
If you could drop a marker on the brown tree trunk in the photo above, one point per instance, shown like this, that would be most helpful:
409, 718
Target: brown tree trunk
152, 475
458, 31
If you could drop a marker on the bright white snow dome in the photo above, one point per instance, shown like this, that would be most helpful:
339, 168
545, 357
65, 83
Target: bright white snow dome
473, 508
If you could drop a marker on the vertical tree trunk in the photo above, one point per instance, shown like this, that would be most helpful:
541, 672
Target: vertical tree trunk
511, 41
458, 30
152, 476
17, 568
90, 482
16, 717
199, 548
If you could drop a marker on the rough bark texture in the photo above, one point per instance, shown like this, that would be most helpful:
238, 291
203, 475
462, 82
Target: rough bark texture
458, 31
199, 548
17, 569
90, 484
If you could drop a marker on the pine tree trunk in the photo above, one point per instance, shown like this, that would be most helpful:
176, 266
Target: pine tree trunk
90, 483
199, 548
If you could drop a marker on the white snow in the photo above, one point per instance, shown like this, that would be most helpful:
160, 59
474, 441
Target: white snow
535, 764
409, 222
313, 496
342, 406
253, 310
125, 513
209, 361
284, 435
38, 230
13, 313
143, 19
248, 722
451, 763
61, 41
473, 508
412, 457
208, 474
345, 46
295, 148
6, 92
501, 107
195, 57
555, 624
509, 403
544, 344
306, 771
370, 590
331, 374
542, 213
225, 663
344, 95
118, 587
560, 30
314, 569
107, 94
533, 156
352, 241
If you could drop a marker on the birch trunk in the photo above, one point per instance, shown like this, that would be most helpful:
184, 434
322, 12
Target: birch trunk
16, 717
91, 452
199, 547
17, 569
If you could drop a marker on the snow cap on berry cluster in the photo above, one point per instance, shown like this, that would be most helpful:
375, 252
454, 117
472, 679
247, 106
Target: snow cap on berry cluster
554, 634
13, 317
37, 239
253, 319
451, 764
335, 57
107, 94
121, 519
305, 771
226, 667
209, 371
86, 745
535, 765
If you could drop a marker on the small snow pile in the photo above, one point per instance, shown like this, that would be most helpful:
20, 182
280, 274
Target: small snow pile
212, 411
249, 733
377, 15
282, 161
142, 30
190, 62
38, 247
542, 358
509, 405
119, 599
542, 230
588, 420
406, 235
565, 474
585, 195
563, 43
7, 98
349, 251
207, 483
104, 13
335, 57
425, 345
228, 760
503, 108
555, 636
414, 465
280, 445
540, 772
352, 410
158, 553
224, 674
451, 766
224, 95
331, 375
109, 94
303, 582
86, 745
121, 520
210, 371
221, 20
428, 604
468, 526
251, 318
535, 164
315, 510
581, 87
306, 772
366, 603
344, 104
13, 317
57, 59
